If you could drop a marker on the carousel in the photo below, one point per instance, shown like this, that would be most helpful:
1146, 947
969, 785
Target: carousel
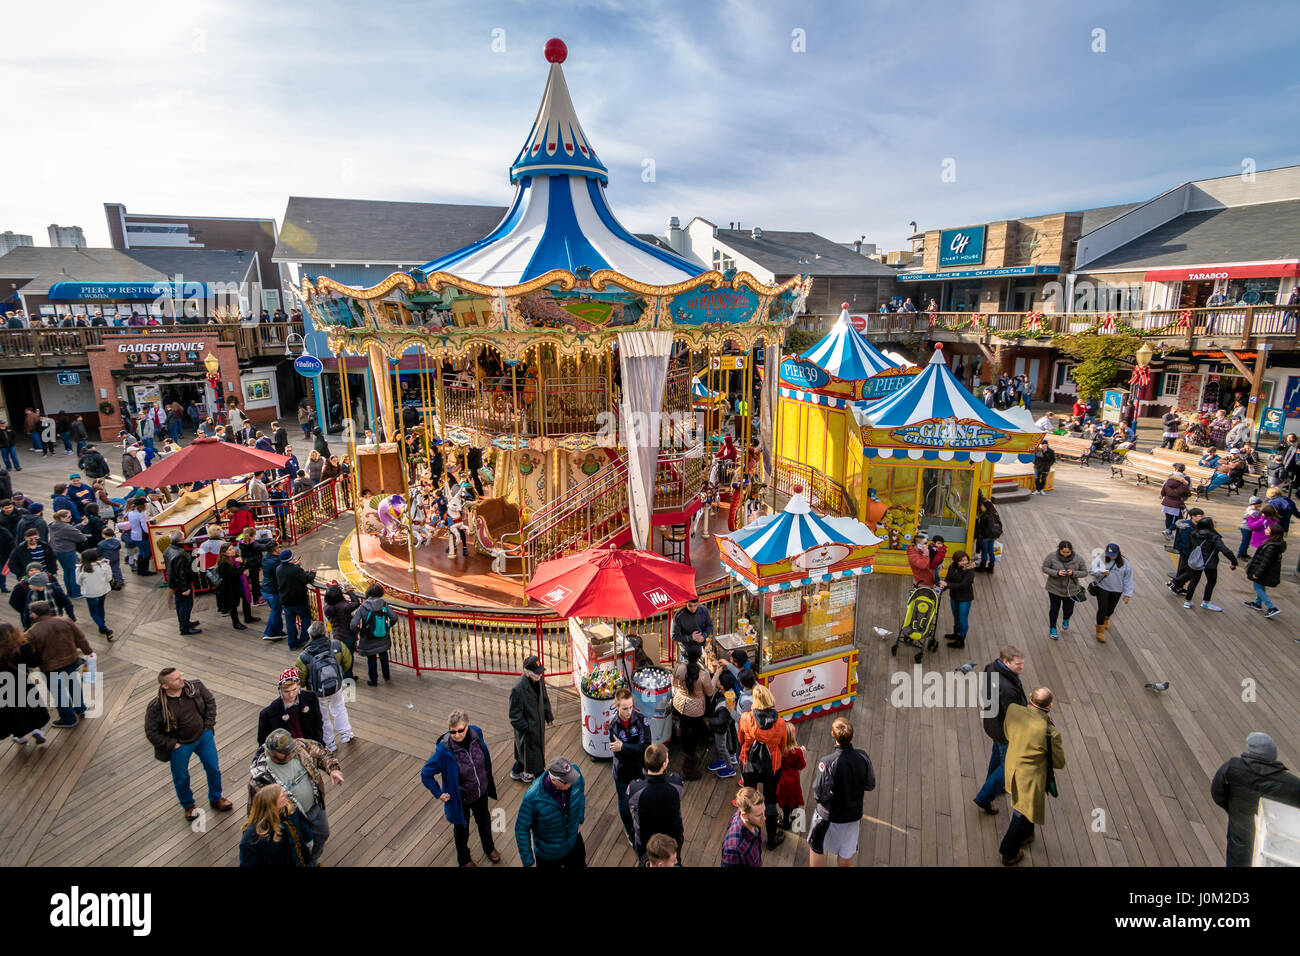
552, 387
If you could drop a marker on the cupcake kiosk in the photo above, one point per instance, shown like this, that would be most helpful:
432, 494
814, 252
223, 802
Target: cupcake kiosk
794, 589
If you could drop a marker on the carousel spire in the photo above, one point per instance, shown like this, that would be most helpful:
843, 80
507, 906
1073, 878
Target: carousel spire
557, 145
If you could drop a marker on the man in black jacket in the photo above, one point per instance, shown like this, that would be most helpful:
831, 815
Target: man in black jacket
279, 437
1240, 783
93, 463
179, 565
530, 715
629, 736
291, 581
296, 710
656, 802
1002, 676
32, 551
1044, 459
843, 778
692, 623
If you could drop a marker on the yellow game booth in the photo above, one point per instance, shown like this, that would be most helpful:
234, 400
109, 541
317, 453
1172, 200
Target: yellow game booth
800, 574
928, 456
816, 390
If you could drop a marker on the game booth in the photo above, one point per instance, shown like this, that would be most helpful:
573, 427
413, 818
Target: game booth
929, 451
794, 589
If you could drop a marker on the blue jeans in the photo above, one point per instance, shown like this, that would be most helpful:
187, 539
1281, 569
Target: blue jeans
1244, 550
68, 561
143, 550
148, 443
1261, 595
184, 606
995, 781
297, 619
275, 615
65, 689
984, 549
174, 430
960, 617
67, 441
10, 455
36, 441
1217, 479
96, 605
206, 748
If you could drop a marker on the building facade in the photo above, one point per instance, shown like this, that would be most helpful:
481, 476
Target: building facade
10, 240
66, 237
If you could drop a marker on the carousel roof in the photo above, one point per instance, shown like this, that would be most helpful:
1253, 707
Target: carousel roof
846, 354
559, 218
778, 537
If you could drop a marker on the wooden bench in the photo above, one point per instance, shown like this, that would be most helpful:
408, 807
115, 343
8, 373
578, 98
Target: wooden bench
1148, 469
1070, 447
1251, 479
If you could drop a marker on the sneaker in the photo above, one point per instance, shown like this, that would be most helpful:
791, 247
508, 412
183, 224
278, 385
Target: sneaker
1273, 613
60, 723
1052, 634
347, 738
717, 765
522, 775
1255, 604
1168, 535
1065, 625
1207, 606
1187, 605
38, 736
726, 772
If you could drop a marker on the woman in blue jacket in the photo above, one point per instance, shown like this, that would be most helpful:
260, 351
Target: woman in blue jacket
464, 763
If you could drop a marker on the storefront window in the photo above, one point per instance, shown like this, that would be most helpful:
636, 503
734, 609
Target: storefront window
964, 296
1253, 291
896, 487
804, 621
946, 503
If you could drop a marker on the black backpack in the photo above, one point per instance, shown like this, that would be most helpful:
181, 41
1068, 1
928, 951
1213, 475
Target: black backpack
758, 760
994, 528
324, 675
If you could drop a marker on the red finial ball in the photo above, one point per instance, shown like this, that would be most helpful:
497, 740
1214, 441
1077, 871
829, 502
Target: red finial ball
555, 50
844, 306
798, 489
938, 346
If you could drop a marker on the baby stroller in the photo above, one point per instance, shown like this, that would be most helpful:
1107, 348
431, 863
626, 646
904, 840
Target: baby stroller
920, 621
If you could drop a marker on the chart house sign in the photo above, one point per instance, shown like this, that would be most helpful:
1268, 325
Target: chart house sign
949, 433
961, 247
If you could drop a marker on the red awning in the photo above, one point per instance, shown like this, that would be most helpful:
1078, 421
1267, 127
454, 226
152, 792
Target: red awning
1257, 270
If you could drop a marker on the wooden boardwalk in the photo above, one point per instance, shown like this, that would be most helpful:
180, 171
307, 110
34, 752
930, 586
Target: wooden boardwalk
1135, 790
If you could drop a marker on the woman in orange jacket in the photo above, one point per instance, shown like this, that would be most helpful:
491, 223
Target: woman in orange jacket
763, 737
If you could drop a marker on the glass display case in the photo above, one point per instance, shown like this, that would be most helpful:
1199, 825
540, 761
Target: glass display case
800, 622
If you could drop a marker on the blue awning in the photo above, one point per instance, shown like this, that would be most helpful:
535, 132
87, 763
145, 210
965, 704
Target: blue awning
125, 291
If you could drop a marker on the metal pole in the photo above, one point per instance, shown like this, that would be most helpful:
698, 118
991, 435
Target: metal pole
350, 438
400, 429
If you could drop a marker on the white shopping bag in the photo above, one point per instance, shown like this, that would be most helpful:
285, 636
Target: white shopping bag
997, 550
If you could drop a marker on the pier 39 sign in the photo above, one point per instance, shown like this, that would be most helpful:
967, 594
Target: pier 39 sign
802, 374
949, 433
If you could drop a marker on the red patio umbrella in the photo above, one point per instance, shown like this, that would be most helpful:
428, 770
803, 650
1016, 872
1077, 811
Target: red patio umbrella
206, 459
608, 582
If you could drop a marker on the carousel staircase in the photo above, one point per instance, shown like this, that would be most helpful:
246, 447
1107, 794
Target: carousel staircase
589, 515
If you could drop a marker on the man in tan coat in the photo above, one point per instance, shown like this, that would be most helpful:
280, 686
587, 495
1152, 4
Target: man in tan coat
1034, 751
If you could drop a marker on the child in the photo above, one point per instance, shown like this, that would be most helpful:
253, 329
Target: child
722, 721
1256, 503
110, 549
938, 551
789, 789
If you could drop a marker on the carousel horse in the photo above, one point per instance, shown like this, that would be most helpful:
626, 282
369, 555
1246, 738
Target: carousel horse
457, 526
390, 516
754, 507
422, 527
708, 496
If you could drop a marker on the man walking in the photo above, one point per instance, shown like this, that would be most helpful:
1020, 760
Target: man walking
59, 644
1238, 786
292, 581
295, 710
629, 736
180, 579
1002, 677
843, 778
1034, 754
655, 802
179, 723
300, 767
550, 815
530, 715
742, 844
1044, 459
324, 661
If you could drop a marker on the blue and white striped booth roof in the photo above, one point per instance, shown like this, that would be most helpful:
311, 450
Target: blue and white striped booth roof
779, 537
559, 218
699, 390
934, 394
846, 355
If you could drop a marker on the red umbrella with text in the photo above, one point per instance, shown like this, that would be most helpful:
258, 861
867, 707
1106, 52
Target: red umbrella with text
206, 459
612, 583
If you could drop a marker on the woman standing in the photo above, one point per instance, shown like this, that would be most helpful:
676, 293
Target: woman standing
692, 687
315, 465
339, 608
988, 528
234, 586
464, 763
17, 717
1203, 557
276, 833
1265, 571
763, 740
1114, 580
1064, 570
1173, 495
138, 518
95, 578
319, 443
961, 591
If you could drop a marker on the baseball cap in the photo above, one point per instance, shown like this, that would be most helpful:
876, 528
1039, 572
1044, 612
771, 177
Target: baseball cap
286, 555
1256, 500
287, 675
1112, 550
280, 741
74, 475
561, 770
531, 663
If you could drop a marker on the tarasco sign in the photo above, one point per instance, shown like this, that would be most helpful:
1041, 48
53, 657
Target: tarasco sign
949, 433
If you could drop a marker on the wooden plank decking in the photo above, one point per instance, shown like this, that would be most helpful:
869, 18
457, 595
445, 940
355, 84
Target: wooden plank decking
1135, 790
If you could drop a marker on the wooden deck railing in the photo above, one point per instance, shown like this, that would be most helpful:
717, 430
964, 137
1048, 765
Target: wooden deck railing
55, 347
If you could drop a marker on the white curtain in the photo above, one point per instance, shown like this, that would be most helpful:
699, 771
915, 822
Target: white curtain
767, 409
643, 360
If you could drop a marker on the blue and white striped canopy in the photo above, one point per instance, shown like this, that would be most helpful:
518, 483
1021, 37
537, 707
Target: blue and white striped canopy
779, 537
559, 218
846, 355
698, 390
935, 393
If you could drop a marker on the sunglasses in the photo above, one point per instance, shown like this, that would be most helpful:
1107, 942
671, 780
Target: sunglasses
459, 730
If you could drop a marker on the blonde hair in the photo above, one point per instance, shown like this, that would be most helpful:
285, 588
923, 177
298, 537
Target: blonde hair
63, 514
264, 812
763, 699
747, 798
790, 742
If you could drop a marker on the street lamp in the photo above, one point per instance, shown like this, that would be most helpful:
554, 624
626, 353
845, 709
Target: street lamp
1144, 355
1141, 375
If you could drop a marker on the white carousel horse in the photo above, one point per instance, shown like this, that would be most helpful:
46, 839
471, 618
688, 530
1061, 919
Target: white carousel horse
457, 527
701, 517
422, 528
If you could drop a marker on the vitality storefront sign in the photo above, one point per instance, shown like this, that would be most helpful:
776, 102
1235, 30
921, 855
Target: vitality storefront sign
961, 247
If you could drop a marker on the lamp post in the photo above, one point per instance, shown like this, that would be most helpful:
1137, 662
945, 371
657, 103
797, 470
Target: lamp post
214, 380
1141, 374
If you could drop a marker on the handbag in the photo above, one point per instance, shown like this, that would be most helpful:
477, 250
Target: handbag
1093, 589
1051, 774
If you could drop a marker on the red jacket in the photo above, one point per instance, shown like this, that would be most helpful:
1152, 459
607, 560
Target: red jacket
919, 560
789, 788
241, 519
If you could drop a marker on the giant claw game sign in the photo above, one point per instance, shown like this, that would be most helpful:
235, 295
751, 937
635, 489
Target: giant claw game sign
949, 433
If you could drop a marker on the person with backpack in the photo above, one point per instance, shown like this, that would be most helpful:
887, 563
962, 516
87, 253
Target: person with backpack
1065, 570
324, 661
1182, 546
763, 740
629, 736
464, 762
1265, 571
297, 710
1173, 496
843, 778
988, 528
655, 803
373, 622
1203, 558
1114, 579
693, 687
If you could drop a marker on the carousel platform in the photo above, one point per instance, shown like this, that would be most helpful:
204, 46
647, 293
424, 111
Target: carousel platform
468, 581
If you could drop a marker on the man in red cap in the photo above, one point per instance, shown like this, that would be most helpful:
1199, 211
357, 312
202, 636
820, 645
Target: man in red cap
296, 710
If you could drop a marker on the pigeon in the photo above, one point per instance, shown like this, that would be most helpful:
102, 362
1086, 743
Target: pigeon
883, 633
965, 668
1159, 688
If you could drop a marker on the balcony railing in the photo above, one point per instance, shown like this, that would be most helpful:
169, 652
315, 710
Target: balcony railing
55, 347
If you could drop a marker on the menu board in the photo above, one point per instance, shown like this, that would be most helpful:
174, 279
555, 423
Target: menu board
830, 622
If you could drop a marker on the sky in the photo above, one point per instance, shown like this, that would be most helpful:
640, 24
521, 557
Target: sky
848, 119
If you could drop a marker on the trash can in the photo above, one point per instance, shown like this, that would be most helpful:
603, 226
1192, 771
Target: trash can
652, 694
596, 715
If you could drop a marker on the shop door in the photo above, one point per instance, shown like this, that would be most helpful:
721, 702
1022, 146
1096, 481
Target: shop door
1196, 294
1032, 373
